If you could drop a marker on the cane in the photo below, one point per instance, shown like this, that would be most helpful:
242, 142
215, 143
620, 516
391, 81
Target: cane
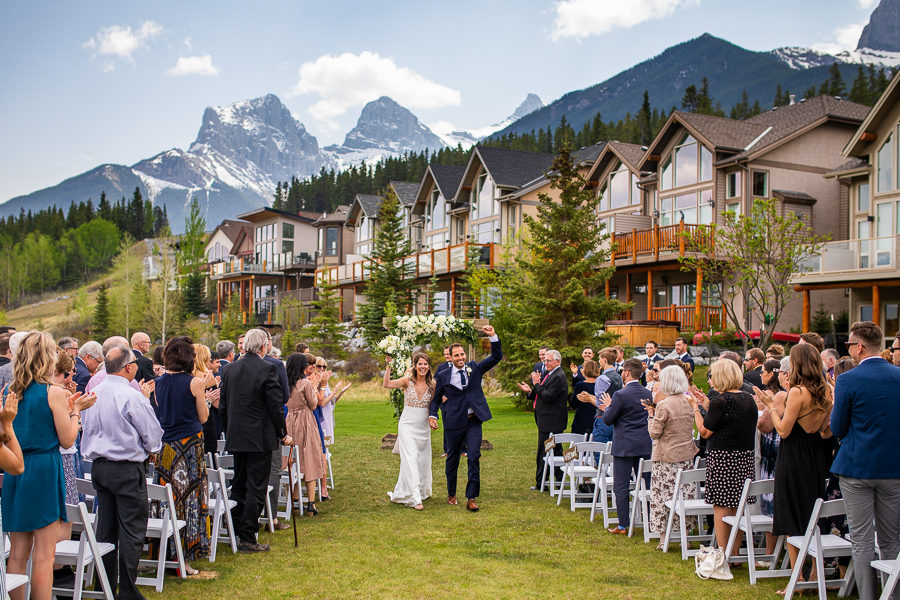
291, 492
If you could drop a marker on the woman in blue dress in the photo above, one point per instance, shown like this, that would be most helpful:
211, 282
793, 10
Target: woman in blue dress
33, 503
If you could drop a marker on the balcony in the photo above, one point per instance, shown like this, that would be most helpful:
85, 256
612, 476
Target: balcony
646, 245
419, 265
710, 317
850, 259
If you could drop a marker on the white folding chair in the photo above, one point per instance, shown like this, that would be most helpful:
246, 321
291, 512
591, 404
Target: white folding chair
328, 460
640, 502
85, 555
290, 479
752, 524
220, 446
819, 547
8, 581
220, 506
603, 489
225, 462
891, 568
553, 462
687, 507
579, 469
163, 528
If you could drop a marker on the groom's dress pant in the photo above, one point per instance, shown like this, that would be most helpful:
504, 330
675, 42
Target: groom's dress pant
470, 435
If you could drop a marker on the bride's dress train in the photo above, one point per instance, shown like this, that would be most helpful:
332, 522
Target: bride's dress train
414, 447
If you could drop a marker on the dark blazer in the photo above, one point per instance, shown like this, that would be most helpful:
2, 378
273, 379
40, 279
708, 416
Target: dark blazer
551, 410
442, 367
145, 367
687, 359
282, 376
82, 375
628, 417
456, 408
250, 405
865, 416
539, 368
754, 377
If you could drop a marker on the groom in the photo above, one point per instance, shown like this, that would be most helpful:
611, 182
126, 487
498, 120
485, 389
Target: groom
464, 411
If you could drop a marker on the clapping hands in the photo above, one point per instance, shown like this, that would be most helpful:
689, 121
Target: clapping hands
524, 387
764, 397
147, 387
698, 399
78, 402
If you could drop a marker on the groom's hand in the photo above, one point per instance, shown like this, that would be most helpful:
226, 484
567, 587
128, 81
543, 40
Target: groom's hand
488, 330
432, 422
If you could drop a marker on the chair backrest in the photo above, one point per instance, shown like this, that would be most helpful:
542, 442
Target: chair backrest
592, 446
693, 475
645, 466
210, 463
220, 446
224, 461
216, 479
569, 438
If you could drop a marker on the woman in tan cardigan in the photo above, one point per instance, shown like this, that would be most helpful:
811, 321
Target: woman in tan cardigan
671, 426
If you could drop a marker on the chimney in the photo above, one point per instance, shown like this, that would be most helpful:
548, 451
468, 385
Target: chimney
793, 97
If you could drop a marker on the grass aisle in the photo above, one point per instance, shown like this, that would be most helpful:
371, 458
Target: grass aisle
520, 545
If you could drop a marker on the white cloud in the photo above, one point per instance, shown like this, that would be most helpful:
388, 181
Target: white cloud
121, 41
193, 65
188, 44
582, 18
349, 80
845, 38
866, 3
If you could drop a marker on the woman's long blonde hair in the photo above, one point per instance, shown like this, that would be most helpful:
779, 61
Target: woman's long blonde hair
35, 361
202, 357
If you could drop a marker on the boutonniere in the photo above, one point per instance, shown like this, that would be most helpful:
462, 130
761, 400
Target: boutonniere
468, 370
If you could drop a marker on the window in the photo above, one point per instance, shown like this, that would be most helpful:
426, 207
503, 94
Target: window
864, 232
619, 188
436, 216
287, 230
695, 208
287, 246
486, 232
883, 231
484, 202
759, 184
665, 180
885, 166
705, 164
733, 184
891, 317
734, 207
442, 303
686, 163
865, 313
862, 197
331, 241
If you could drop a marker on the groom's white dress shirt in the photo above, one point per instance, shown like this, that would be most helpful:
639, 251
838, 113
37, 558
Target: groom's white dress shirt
456, 378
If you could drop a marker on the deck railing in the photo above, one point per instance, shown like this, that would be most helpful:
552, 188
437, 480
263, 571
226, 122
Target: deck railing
711, 317
657, 240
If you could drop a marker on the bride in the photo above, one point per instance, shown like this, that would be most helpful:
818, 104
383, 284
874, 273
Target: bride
413, 433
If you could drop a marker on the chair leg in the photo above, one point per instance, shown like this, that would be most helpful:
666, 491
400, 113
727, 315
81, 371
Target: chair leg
682, 528
214, 537
669, 523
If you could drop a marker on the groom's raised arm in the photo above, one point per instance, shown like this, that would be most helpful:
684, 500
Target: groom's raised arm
496, 355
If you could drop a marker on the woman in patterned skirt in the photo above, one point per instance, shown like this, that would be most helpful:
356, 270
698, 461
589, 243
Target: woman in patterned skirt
671, 425
182, 410
730, 430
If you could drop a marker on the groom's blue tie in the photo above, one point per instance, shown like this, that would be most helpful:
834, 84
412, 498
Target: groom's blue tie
462, 378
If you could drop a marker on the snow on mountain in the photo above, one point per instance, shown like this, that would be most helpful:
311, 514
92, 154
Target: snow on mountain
797, 57
470, 137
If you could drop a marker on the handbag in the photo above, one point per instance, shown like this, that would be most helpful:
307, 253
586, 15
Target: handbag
710, 563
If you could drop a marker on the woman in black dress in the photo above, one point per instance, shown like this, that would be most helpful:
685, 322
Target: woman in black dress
729, 427
583, 421
801, 467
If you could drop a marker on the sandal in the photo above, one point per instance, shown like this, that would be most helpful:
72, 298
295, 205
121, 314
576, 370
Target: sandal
419, 507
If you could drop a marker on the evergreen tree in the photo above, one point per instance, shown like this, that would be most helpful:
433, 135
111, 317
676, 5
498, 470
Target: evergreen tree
835, 81
100, 329
810, 93
777, 100
859, 92
191, 262
388, 280
645, 125
553, 291
690, 101
324, 332
135, 215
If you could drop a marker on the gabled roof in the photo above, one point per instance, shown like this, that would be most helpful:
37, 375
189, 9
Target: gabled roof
230, 228
265, 212
629, 154
244, 239
365, 204
512, 168
445, 177
587, 155
406, 192
856, 146
851, 166
338, 217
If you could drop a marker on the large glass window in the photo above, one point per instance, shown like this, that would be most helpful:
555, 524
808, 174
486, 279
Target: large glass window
705, 164
619, 188
733, 184
884, 223
694, 208
862, 197
864, 232
486, 232
436, 215
287, 246
686, 163
665, 180
287, 230
885, 166
759, 182
331, 241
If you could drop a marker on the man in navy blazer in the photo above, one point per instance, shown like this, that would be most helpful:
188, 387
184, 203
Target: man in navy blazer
865, 417
448, 362
464, 411
625, 412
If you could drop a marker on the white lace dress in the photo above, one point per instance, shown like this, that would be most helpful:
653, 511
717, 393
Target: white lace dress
414, 447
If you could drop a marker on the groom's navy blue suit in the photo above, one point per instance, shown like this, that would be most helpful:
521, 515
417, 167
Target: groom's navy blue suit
459, 425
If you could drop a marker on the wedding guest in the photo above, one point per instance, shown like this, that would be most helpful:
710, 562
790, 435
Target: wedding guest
69, 344
608, 382
625, 412
829, 358
729, 428
204, 369
302, 427
753, 362
140, 345
620, 358
801, 467
182, 410
769, 440
6, 371
583, 420
671, 425
100, 374
225, 352
159, 366
550, 393
33, 502
814, 339
301, 348
865, 417
275, 460
119, 434
586, 354
683, 352
775, 351
327, 400
653, 356
90, 356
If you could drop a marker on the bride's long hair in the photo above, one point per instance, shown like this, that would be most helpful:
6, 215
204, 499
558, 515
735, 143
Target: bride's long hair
429, 380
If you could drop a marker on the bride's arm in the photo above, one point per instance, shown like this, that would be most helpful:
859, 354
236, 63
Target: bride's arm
392, 383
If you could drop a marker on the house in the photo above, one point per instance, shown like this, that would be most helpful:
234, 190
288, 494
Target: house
230, 239
860, 266
282, 259
697, 168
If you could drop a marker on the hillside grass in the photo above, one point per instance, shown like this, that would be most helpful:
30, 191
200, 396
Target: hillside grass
520, 545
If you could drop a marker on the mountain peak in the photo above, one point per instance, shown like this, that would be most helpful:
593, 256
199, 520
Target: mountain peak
386, 125
881, 31
531, 103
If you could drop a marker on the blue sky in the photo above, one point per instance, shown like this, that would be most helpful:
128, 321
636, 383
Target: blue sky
89, 82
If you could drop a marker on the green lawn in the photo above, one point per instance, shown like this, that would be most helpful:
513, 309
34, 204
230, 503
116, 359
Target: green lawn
520, 545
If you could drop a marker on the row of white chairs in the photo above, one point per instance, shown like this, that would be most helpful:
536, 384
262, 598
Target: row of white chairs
585, 461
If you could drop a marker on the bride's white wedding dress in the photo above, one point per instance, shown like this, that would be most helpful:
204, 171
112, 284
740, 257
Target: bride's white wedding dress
414, 447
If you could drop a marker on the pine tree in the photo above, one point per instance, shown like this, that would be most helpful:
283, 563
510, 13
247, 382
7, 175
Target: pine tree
388, 281
835, 81
552, 291
777, 100
859, 92
324, 332
191, 261
690, 101
645, 126
100, 329
810, 93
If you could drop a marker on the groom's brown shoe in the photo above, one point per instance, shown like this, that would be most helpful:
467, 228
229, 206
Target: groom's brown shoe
471, 505
452, 500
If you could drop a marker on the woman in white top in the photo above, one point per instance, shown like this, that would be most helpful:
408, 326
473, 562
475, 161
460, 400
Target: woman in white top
327, 399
